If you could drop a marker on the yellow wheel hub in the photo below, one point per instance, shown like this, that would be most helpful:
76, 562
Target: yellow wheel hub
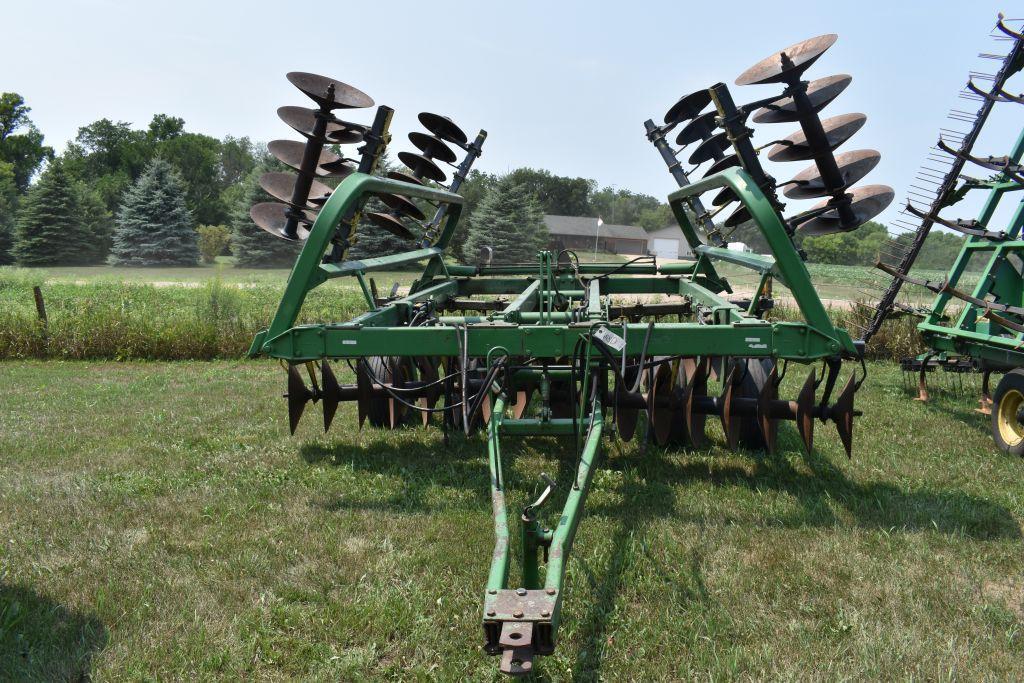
1010, 428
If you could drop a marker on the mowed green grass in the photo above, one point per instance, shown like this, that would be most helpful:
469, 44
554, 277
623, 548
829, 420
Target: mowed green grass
159, 523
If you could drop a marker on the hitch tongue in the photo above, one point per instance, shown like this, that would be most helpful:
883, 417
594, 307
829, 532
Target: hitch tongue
516, 643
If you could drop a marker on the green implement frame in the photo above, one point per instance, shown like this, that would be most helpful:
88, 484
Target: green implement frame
563, 329
977, 331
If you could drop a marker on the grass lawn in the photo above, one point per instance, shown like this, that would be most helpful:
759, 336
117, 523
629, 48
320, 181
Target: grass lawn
229, 273
158, 523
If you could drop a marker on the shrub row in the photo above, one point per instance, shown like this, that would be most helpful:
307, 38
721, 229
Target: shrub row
127, 320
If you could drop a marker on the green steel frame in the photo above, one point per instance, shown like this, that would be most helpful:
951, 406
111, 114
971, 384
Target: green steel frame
972, 333
543, 322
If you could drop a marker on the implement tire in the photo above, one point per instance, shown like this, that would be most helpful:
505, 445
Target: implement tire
1008, 413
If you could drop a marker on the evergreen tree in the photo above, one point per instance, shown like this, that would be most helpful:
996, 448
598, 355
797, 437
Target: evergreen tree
251, 246
48, 228
510, 221
154, 226
97, 224
8, 206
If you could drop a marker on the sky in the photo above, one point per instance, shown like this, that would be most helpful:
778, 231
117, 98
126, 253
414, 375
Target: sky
564, 86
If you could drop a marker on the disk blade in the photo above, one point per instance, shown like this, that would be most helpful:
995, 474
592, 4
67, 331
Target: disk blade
282, 186
402, 205
838, 130
711, 148
688, 106
432, 146
422, 166
787, 64
443, 127
820, 92
853, 166
390, 223
328, 92
273, 218
866, 201
290, 152
331, 390
303, 120
700, 128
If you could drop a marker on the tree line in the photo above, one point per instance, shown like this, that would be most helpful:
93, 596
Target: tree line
162, 195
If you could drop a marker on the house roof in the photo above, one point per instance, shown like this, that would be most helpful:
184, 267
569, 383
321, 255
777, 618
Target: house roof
586, 226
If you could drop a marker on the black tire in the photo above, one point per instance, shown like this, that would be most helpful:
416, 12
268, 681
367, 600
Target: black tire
378, 411
1008, 413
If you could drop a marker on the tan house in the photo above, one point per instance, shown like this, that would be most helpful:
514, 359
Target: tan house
583, 233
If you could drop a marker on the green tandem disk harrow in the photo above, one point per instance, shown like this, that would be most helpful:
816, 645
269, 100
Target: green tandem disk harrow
986, 332
563, 348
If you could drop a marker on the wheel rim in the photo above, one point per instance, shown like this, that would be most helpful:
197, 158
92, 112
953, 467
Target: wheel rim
1010, 428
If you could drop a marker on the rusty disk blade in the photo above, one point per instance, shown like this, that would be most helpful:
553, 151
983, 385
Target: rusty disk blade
443, 127
842, 414
298, 397
303, 120
820, 91
428, 373
404, 177
282, 186
688, 106
768, 425
722, 164
626, 418
740, 215
402, 205
331, 391
522, 403
711, 148
789, 63
329, 93
432, 146
696, 385
730, 426
273, 218
852, 165
290, 152
337, 169
723, 197
805, 413
390, 223
867, 202
660, 418
838, 130
422, 167
700, 128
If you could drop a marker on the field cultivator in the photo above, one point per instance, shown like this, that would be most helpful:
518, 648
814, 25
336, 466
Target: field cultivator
557, 347
986, 333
